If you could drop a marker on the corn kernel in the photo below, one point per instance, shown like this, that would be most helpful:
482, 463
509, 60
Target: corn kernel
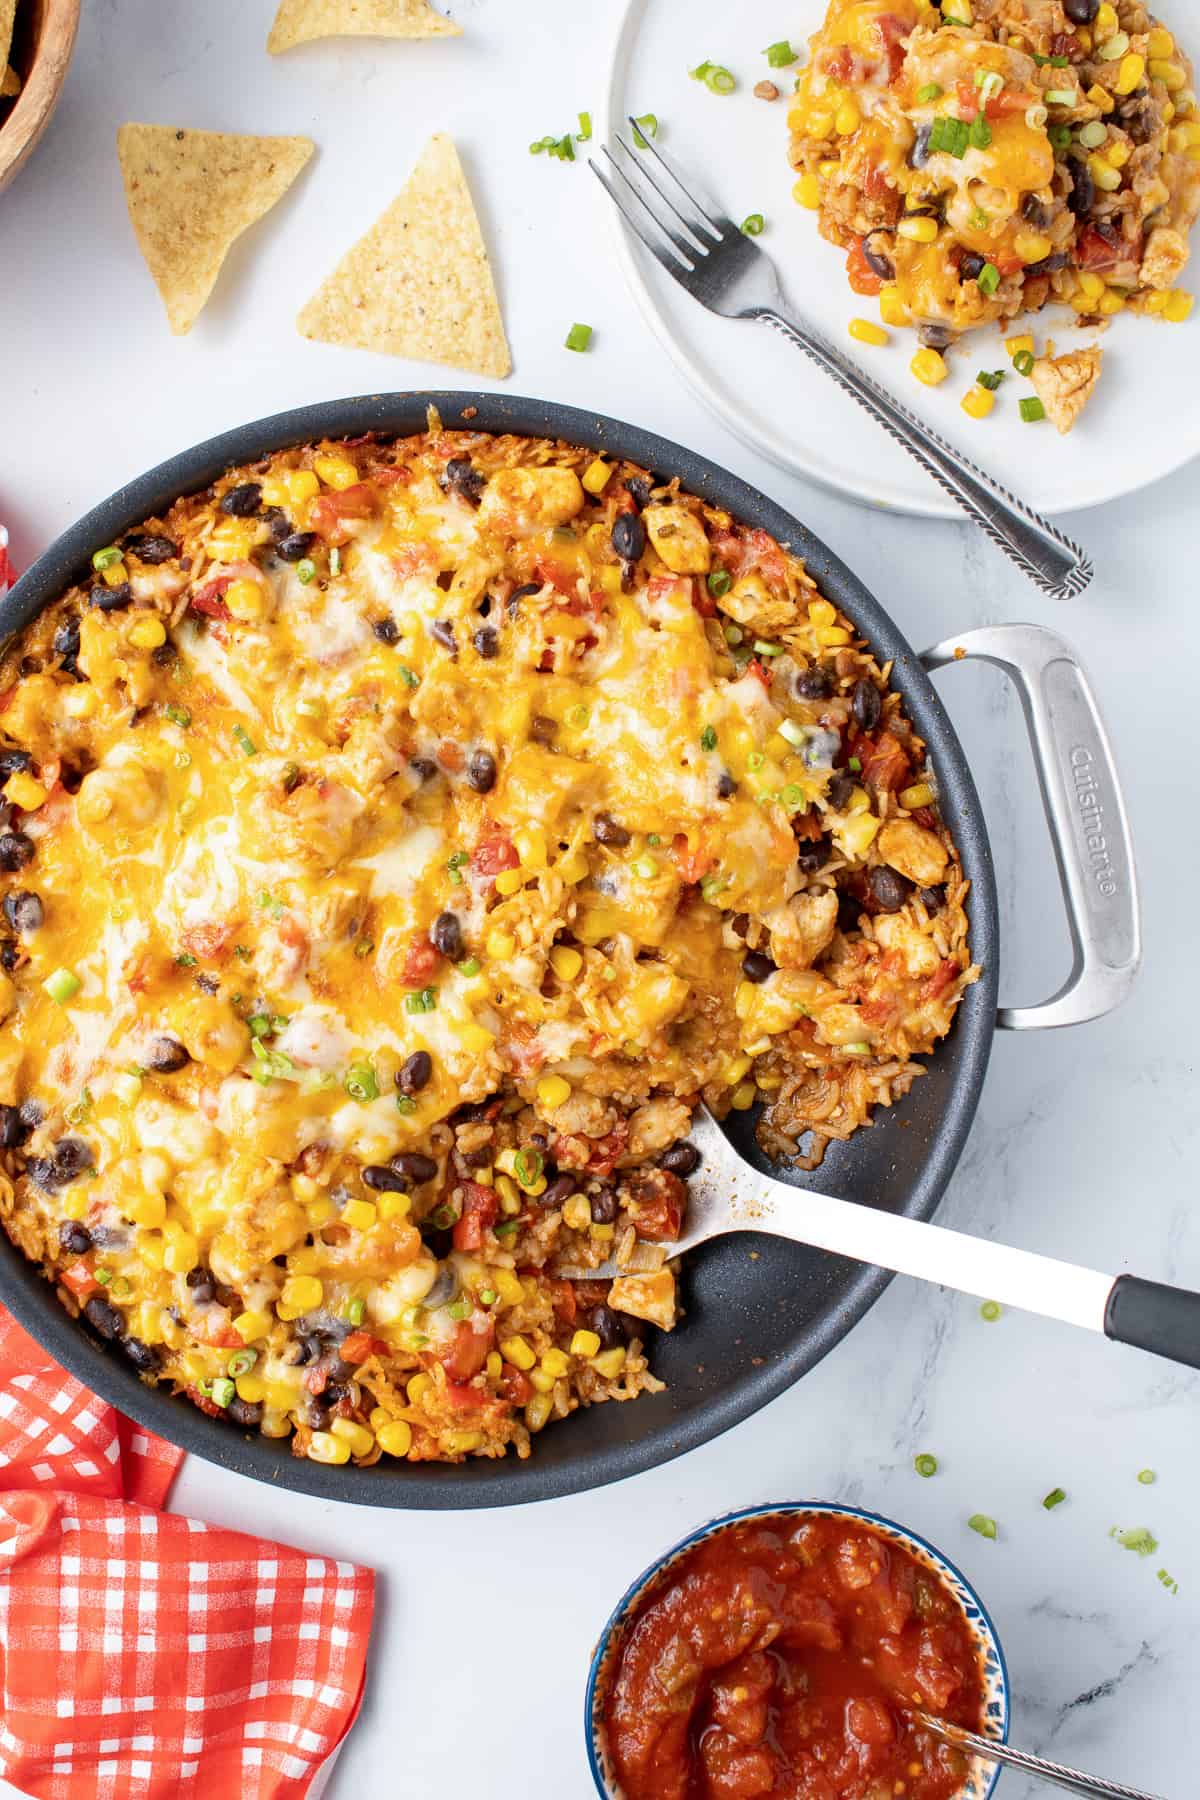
929, 367
868, 333
1100, 98
1083, 40
510, 1196
336, 471
1110, 303
79, 702
319, 1212
819, 123
418, 1387
743, 1097
360, 1440
477, 1038
251, 1388
807, 191
274, 492
552, 1090
1105, 22
595, 476
892, 309
577, 1212
494, 1366
146, 1209
831, 636
1171, 76
1179, 306
1091, 285
609, 1363
393, 1206
360, 1215
1154, 302
147, 632
857, 833
530, 845
1117, 155
516, 1351
1130, 72
509, 881
395, 1437
828, 167
245, 599
1032, 246
538, 1411
1193, 153
1015, 345
507, 1285
305, 1261
301, 485
585, 1343
23, 791
821, 612
1159, 43
323, 1447
847, 119
566, 961
1104, 175
301, 1294
539, 1379
461, 1443
500, 945
920, 793
978, 402
556, 1363
73, 1205
921, 229
181, 1254
252, 1324
153, 1250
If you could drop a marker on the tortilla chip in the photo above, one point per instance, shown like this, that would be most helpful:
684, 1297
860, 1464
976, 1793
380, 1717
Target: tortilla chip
191, 194
10, 84
419, 283
8, 12
299, 21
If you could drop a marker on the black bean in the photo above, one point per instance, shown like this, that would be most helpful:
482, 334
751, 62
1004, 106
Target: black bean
607, 1325
384, 1179
933, 899
640, 488
414, 1166
740, 924
560, 1189
935, 337
1049, 265
443, 631
972, 266
415, 1072
74, 1238
278, 523
10, 954
13, 1130
16, 850
475, 1159
1035, 212
877, 258
866, 704
114, 599
164, 1055
681, 1159
14, 762
151, 549
336, 1391
245, 1412
543, 730
1082, 196
920, 153
461, 477
812, 684
201, 1285
23, 910
757, 965
103, 1317
423, 767
32, 1112
604, 1206
308, 1348
628, 536
481, 771
243, 501
605, 830
839, 791
71, 1158
521, 593
66, 642
813, 853
437, 1239
144, 1357
295, 547
447, 936
487, 641
726, 785
387, 631
889, 889
316, 1416
1081, 12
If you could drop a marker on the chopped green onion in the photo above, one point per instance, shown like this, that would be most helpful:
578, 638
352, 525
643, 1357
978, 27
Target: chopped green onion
855, 763
712, 885
700, 72
577, 717
733, 634
585, 128
1171, 1586
457, 859
980, 133
1147, 1477
982, 1524
762, 648
1059, 135
260, 1025
360, 1083
1054, 62
270, 904
646, 868
794, 733
408, 676
121, 1287
106, 558
1137, 1538
988, 278
104, 1276
564, 149
178, 715
643, 129
470, 967
222, 1391
528, 1165
653, 839
719, 582
1061, 96
241, 1363
356, 1310
1023, 362
990, 379
1054, 1498
708, 738
1093, 134
488, 1296
185, 961
540, 144
792, 798
978, 218
781, 55
950, 135
990, 1310
507, 1230
925, 1465
755, 761
989, 82
306, 570
62, 986
363, 948
931, 91
716, 79
78, 1111
1032, 410
244, 741
423, 1002
335, 561
459, 1309
754, 225
579, 337
405, 1103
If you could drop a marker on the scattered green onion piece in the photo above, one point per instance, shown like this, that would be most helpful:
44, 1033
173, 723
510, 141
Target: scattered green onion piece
1032, 410
1054, 1498
1171, 1585
222, 1391
978, 218
990, 379
178, 715
335, 561
989, 82
585, 128
646, 868
755, 761
950, 135
1023, 362
733, 634
855, 763
455, 876
185, 960
507, 1230
270, 904
356, 1310
528, 1164
792, 798
360, 1083
488, 1296
62, 985
794, 733
457, 860
762, 648
990, 1310
241, 1363
106, 558
260, 1025
931, 91
408, 676
925, 1465
306, 570
579, 337
459, 1309
104, 1276
979, 134
1060, 96
423, 1002
708, 738
1059, 135
244, 741
405, 1104
643, 129
1093, 134
1136, 1538
1147, 1477
712, 885
781, 55
982, 1524
700, 72
363, 948
719, 582
577, 717
754, 225
719, 80
653, 839
988, 278
470, 967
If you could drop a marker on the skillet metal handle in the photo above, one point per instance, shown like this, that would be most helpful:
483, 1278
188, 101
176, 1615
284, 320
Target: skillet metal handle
1085, 811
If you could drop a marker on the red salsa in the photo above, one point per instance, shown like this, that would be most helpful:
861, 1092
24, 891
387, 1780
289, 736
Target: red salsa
780, 1659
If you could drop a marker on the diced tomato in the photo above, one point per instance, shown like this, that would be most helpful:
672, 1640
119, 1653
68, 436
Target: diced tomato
421, 961
625, 500
465, 1353
386, 478
360, 1345
693, 865
943, 977
1094, 250
924, 816
839, 65
892, 32
659, 1201
331, 514
760, 672
208, 943
480, 1206
492, 854
557, 575
217, 1331
460, 1396
204, 1403
81, 1280
884, 760
564, 1300
515, 1386
997, 106
209, 602
878, 185
412, 559
7, 695
807, 826
859, 273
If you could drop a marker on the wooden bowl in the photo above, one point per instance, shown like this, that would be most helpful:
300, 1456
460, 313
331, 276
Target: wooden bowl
43, 38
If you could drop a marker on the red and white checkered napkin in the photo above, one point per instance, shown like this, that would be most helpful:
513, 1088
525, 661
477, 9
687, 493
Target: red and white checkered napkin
145, 1656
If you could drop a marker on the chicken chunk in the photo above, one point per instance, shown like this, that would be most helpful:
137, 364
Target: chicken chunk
650, 1297
1064, 384
803, 928
1164, 258
751, 602
680, 539
914, 850
524, 500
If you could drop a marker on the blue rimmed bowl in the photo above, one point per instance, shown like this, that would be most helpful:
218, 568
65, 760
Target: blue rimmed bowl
982, 1777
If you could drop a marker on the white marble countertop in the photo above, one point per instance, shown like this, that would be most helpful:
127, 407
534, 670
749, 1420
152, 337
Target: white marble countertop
1084, 1139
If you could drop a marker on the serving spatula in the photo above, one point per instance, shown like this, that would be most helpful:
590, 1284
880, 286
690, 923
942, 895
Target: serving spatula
727, 1193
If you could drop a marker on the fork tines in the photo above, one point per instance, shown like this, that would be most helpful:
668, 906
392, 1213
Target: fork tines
643, 200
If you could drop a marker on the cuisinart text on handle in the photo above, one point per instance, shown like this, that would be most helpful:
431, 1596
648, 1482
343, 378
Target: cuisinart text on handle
1091, 814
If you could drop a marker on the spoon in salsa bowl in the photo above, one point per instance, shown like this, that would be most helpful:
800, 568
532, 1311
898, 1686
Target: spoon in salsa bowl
1073, 1781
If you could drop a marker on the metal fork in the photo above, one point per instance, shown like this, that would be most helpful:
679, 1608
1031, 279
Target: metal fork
1088, 1787
727, 272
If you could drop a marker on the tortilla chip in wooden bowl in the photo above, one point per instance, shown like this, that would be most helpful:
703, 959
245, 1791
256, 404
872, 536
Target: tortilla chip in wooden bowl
300, 21
36, 40
191, 194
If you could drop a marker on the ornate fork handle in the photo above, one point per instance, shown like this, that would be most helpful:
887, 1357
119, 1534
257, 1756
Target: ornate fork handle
1045, 554
1074, 1781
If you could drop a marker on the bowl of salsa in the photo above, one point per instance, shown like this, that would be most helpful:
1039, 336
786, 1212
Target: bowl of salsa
783, 1653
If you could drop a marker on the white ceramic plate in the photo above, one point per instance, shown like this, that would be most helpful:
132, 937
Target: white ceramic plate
1139, 425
